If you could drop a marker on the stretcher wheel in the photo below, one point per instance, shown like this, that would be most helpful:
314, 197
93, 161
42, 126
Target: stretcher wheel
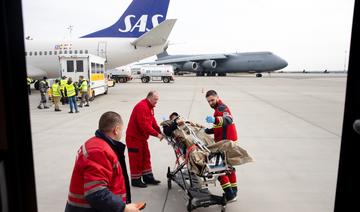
169, 184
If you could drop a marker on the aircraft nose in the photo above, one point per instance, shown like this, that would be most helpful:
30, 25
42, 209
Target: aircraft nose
282, 63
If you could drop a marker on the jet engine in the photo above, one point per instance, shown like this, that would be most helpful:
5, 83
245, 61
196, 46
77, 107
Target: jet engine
190, 66
209, 64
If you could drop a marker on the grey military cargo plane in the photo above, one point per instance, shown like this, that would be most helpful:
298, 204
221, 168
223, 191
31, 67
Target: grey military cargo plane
220, 64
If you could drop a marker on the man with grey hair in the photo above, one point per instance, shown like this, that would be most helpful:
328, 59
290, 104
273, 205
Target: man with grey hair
141, 125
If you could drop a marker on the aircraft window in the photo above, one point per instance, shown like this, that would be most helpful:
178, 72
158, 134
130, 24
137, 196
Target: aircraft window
35, 53
86, 51
65, 51
70, 66
102, 68
81, 51
60, 52
30, 53
50, 52
55, 52
70, 51
40, 53
45, 52
75, 51
93, 68
25, 53
79, 66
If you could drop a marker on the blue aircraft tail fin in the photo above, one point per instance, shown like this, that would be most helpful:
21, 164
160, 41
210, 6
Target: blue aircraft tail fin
140, 17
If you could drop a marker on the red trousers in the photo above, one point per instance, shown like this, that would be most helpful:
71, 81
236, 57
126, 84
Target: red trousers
139, 157
228, 180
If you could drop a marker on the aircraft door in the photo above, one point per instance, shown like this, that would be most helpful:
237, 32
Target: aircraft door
101, 51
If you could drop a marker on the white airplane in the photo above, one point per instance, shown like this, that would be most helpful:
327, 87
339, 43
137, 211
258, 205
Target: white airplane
141, 32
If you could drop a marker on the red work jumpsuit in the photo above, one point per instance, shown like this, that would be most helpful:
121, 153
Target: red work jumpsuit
224, 128
141, 125
97, 167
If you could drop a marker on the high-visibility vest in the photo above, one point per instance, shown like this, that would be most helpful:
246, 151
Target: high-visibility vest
63, 82
84, 86
70, 90
29, 81
55, 89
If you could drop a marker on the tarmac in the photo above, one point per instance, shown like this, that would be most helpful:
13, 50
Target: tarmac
290, 124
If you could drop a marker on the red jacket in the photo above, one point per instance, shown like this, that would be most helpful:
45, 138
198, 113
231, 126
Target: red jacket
142, 123
97, 167
224, 128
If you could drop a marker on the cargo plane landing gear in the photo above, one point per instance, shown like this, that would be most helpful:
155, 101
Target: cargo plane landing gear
258, 75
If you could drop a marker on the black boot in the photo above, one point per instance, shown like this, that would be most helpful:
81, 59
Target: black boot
138, 183
149, 179
230, 195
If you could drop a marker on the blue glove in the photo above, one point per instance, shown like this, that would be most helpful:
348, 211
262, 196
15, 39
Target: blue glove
210, 119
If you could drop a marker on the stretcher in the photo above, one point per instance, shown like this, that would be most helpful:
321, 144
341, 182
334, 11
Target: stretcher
196, 185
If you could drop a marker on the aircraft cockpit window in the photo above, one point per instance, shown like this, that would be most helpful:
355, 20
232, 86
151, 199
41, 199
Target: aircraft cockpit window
35, 53
25, 53
60, 52
65, 51
50, 52
81, 51
75, 51
55, 52
45, 52
40, 53
70, 51
86, 51
30, 53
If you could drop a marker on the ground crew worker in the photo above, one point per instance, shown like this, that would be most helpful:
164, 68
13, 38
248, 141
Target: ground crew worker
29, 81
43, 87
56, 95
141, 125
83, 88
99, 182
63, 82
71, 93
223, 129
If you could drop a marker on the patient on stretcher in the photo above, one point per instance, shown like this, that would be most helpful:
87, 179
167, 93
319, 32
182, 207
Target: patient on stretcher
200, 150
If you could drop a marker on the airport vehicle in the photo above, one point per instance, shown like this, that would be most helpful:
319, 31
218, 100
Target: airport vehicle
121, 74
92, 67
163, 73
140, 32
220, 64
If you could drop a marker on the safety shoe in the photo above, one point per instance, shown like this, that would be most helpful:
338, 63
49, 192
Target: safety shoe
77, 111
57, 110
46, 107
71, 112
230, 195
39, 107
87, 105
149, 179
138, 183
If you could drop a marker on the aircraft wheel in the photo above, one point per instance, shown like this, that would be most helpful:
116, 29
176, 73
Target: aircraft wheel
258, 75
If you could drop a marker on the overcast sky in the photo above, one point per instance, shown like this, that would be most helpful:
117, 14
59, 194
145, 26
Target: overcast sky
308, 34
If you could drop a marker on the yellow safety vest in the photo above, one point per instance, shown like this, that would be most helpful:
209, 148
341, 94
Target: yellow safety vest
63, 82
29, 81
70, 90
55, 89
84, 86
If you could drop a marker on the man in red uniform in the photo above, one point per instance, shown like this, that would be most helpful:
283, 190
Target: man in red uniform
223, 129
99, 180
142, 124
